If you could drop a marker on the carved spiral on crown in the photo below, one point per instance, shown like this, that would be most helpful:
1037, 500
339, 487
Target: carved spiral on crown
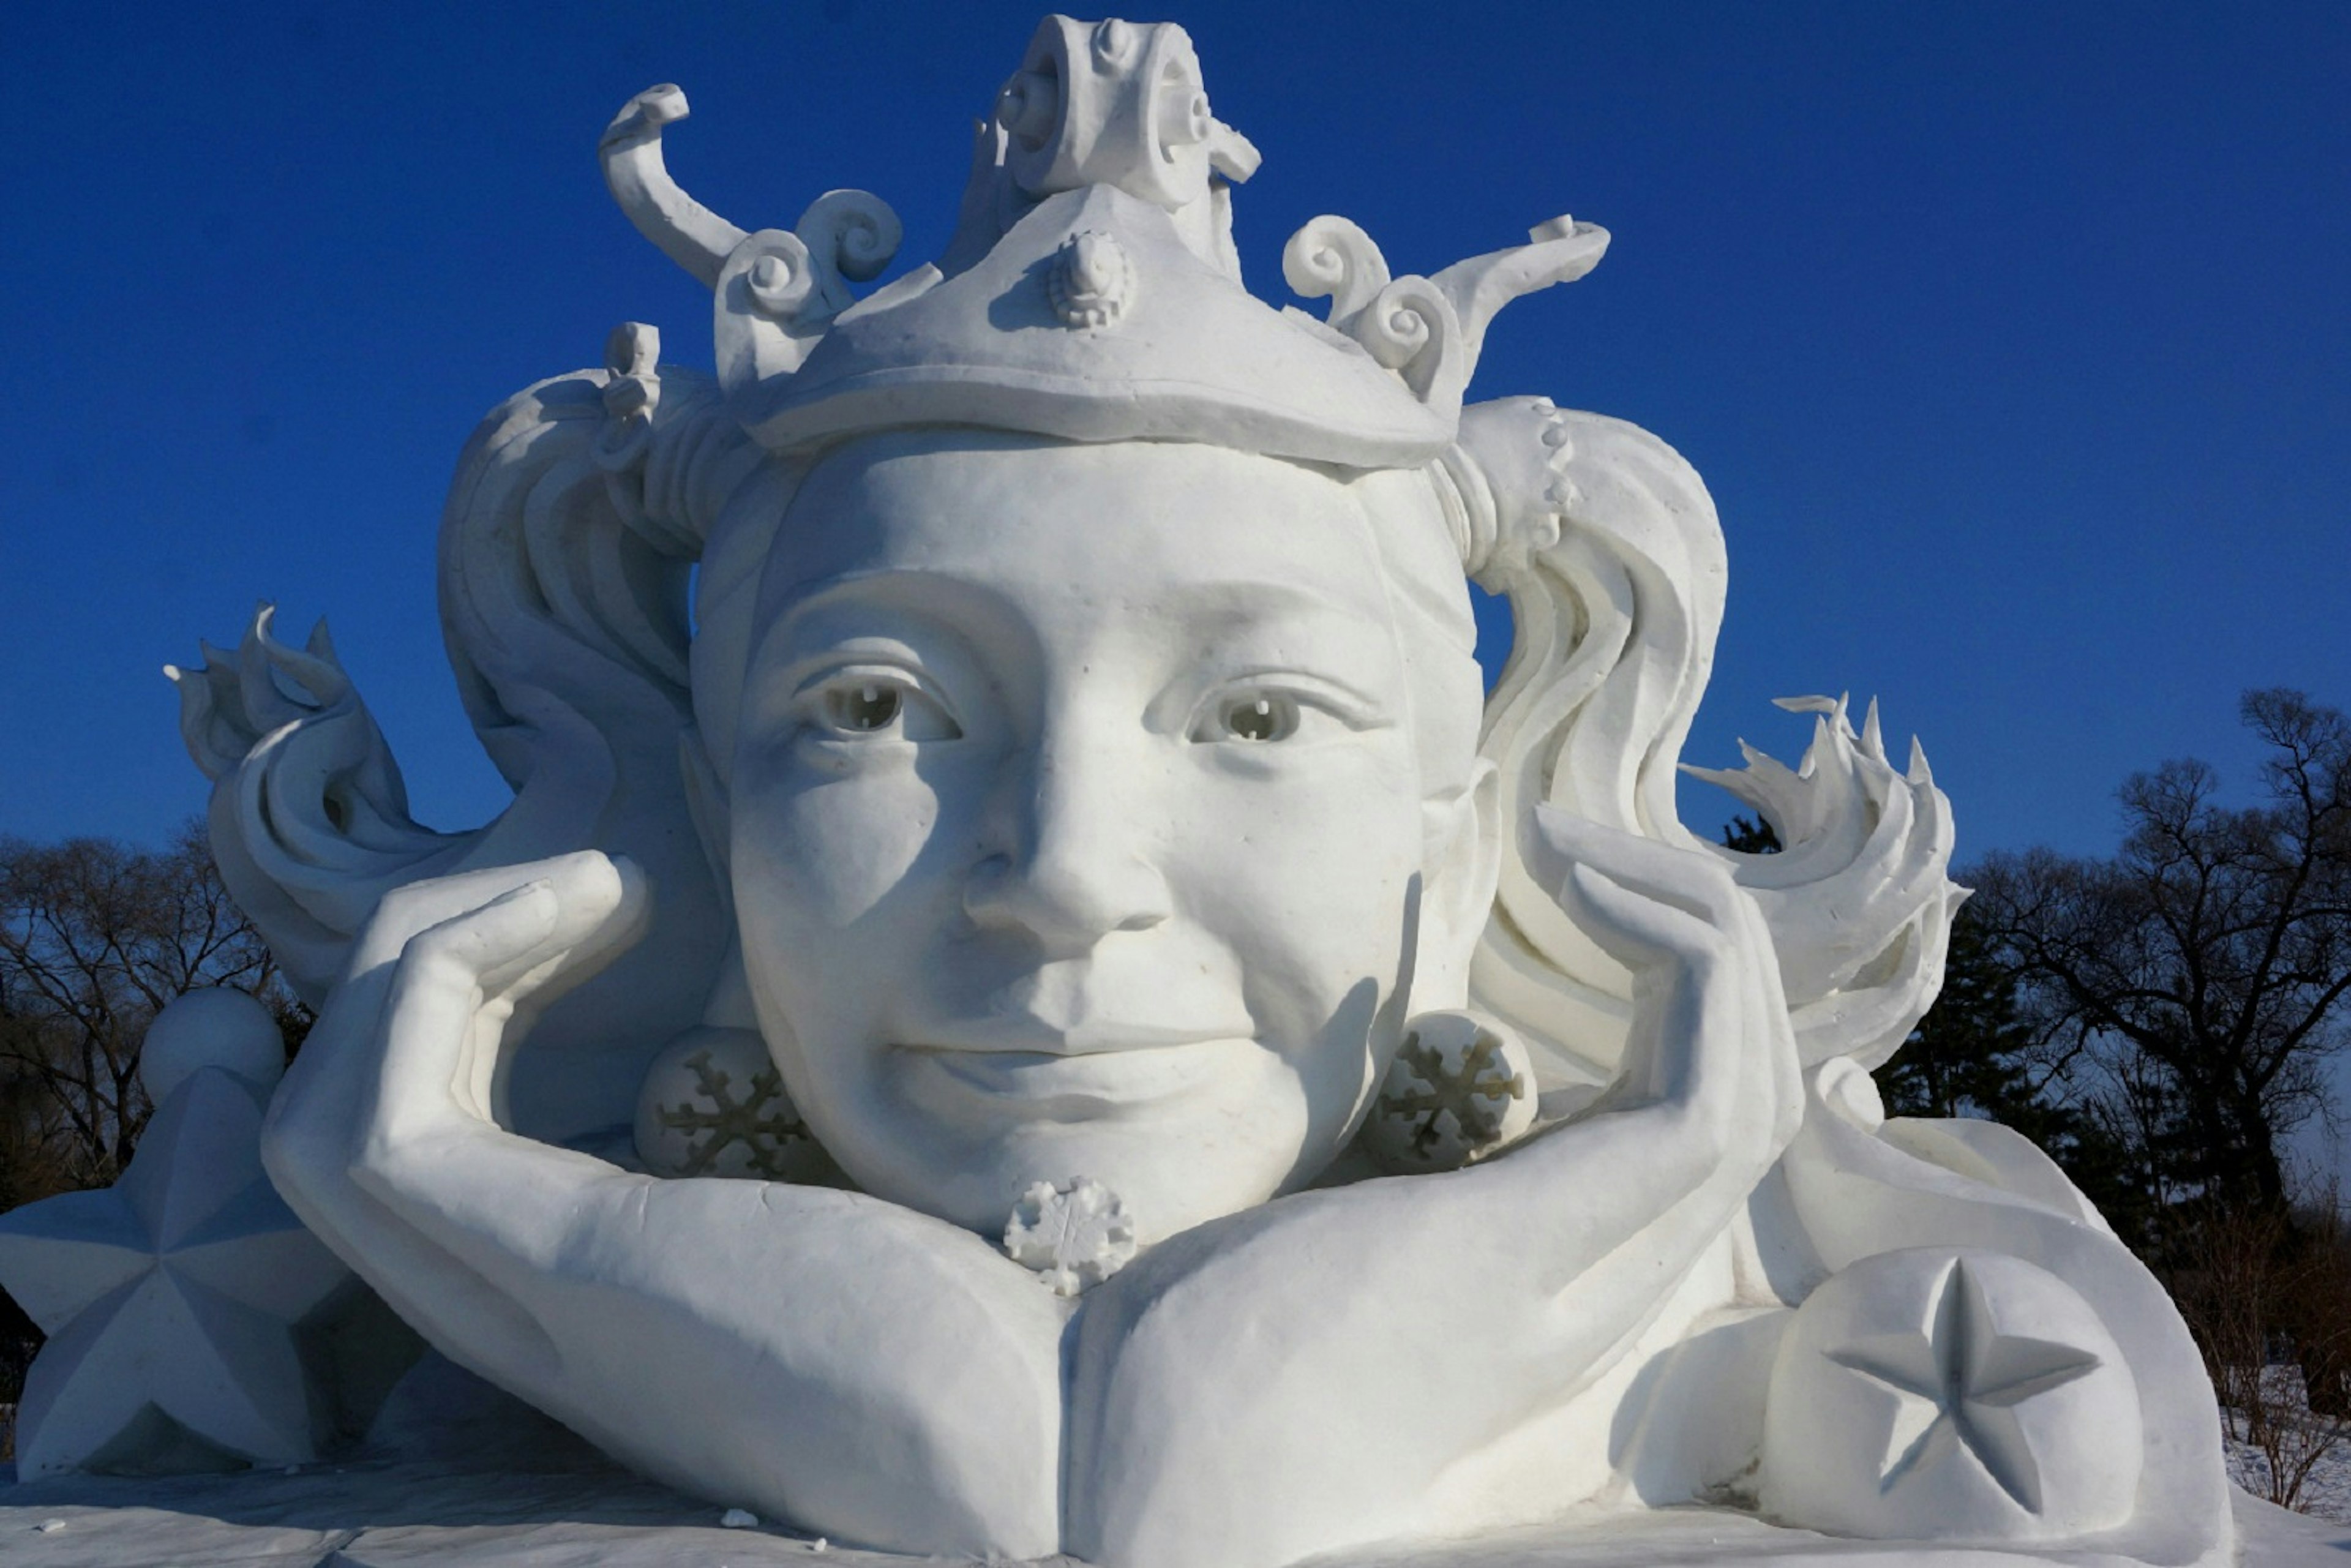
1411, 330
852, 232
1029, 107
1334, 259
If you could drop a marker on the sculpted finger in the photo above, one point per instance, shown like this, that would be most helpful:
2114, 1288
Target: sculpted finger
1639, 931
599, 909
573, 915
461, 951
1688, 879
480, 968
1780, 1078
429, 1060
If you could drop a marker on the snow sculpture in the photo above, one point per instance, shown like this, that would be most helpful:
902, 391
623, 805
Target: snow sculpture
1960, 1378
177, 1301
213, 1026
1076, 785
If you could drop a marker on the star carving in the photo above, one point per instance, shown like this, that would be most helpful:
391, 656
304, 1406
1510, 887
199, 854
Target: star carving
1959, 1382
172, 1300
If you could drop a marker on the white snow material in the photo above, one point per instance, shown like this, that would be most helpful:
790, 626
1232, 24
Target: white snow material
586, 1517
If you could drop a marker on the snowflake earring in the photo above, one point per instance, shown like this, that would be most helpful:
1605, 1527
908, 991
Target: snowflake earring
713, 1104
1461, 1086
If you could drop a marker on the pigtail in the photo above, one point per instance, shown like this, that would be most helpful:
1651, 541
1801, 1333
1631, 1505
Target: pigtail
579, 510
1608, 549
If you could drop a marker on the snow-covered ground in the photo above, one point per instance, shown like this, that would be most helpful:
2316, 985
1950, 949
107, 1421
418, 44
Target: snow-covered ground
138, 1521
2327, 1490
2325, 1494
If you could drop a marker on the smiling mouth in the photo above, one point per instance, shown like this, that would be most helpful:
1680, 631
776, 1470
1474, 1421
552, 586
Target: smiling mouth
1065, 1083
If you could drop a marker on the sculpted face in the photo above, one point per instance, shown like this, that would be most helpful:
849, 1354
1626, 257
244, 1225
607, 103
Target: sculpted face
1077, 825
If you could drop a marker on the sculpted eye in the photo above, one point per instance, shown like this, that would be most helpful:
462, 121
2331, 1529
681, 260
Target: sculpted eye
1250, 716
860, 706
868, 706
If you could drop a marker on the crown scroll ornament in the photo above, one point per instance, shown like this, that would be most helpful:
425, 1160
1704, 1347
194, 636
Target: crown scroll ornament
777, 289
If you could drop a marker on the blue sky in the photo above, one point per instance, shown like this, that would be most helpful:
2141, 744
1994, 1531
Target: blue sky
2011, 338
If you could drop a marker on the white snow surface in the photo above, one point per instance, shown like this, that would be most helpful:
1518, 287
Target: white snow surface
2325, 1495
464, 1478
420, 1515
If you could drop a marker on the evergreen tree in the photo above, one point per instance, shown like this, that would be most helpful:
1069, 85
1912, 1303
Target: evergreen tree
1976, 1054
1967, 1057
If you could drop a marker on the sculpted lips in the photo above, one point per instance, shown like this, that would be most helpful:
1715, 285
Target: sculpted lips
1066, 1039
1065, 1083
1071, 1040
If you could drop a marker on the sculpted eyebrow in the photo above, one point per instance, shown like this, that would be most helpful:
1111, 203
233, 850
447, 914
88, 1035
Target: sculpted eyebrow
920, 596
942, 596
1247, 599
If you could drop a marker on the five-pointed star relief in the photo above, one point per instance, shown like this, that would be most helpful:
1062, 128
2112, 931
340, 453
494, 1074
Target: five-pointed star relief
1959, 1382
170, 1300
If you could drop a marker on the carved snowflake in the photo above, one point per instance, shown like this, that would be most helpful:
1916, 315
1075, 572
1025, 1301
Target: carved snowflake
1453, 1090
764, 1123
1475, 1094
1075, 1235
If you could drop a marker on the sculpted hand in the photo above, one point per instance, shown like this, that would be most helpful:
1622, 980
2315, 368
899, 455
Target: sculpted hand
699, 1328
1318, 1370
1711, 1059
408, 1043
468, 981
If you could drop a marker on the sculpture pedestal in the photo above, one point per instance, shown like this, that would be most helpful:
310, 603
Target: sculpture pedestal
421, 1514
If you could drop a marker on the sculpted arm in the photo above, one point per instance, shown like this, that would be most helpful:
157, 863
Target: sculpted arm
1342, 1349
698, 1328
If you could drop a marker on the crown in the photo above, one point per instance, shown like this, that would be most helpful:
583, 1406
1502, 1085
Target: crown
1091, 291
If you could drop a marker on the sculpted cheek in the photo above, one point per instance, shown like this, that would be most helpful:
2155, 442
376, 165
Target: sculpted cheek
1317, 838
861, 840
1307, 872
828, 853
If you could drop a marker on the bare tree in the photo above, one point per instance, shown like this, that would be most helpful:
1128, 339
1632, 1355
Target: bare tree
2251, 1282
2191, 989
96, 938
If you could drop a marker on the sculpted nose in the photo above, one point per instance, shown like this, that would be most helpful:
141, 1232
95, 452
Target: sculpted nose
1070, 860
